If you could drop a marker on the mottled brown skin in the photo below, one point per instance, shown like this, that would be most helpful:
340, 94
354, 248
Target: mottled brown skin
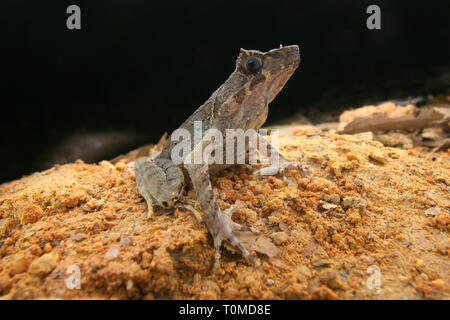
240, 103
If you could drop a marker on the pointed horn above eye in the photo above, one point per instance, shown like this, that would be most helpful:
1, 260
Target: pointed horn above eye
243, 51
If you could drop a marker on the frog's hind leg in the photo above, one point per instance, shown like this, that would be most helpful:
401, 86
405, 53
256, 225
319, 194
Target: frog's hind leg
159, 182
219, 223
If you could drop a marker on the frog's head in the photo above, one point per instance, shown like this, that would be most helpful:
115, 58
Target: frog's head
257, 79
268, 71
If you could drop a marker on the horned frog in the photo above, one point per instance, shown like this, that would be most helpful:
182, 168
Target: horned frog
240, 103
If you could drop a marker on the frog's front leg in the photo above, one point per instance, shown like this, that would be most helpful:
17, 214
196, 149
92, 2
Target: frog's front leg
218, 223
279, 162
160, 182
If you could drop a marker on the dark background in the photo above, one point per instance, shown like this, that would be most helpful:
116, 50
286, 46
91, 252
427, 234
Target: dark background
139, 68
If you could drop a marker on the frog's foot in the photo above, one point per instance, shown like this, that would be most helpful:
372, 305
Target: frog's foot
149, 214
222, 228
280, 167
236, 226
190, 206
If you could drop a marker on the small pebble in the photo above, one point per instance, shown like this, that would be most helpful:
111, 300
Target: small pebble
112, 252
354, 202
321, 263
304, 270
280, 237
47, 247
316, 148
433, 212
43, 265
439, 284
125, 241
333, 198
419, 264
78, 237
130, 285
327, 275
284, 227
114, 236
443, 247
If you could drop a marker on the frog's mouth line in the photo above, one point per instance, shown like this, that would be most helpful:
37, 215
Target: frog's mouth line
279, 81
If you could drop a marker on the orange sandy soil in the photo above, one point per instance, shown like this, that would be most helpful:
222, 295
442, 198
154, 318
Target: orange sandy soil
370, 207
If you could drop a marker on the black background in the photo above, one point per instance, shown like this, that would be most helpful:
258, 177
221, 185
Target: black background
139, 68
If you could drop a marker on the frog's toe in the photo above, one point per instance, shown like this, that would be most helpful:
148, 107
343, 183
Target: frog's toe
268, 171
241, 227
236, 226
224, 232
279, 169
235, 243
149, 214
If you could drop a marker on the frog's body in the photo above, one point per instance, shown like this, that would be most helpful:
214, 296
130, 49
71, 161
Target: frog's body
240, 103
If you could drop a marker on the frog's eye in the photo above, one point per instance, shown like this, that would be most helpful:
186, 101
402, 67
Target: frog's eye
253, 64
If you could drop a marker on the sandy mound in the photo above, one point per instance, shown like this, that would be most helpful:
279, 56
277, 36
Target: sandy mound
372, 211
